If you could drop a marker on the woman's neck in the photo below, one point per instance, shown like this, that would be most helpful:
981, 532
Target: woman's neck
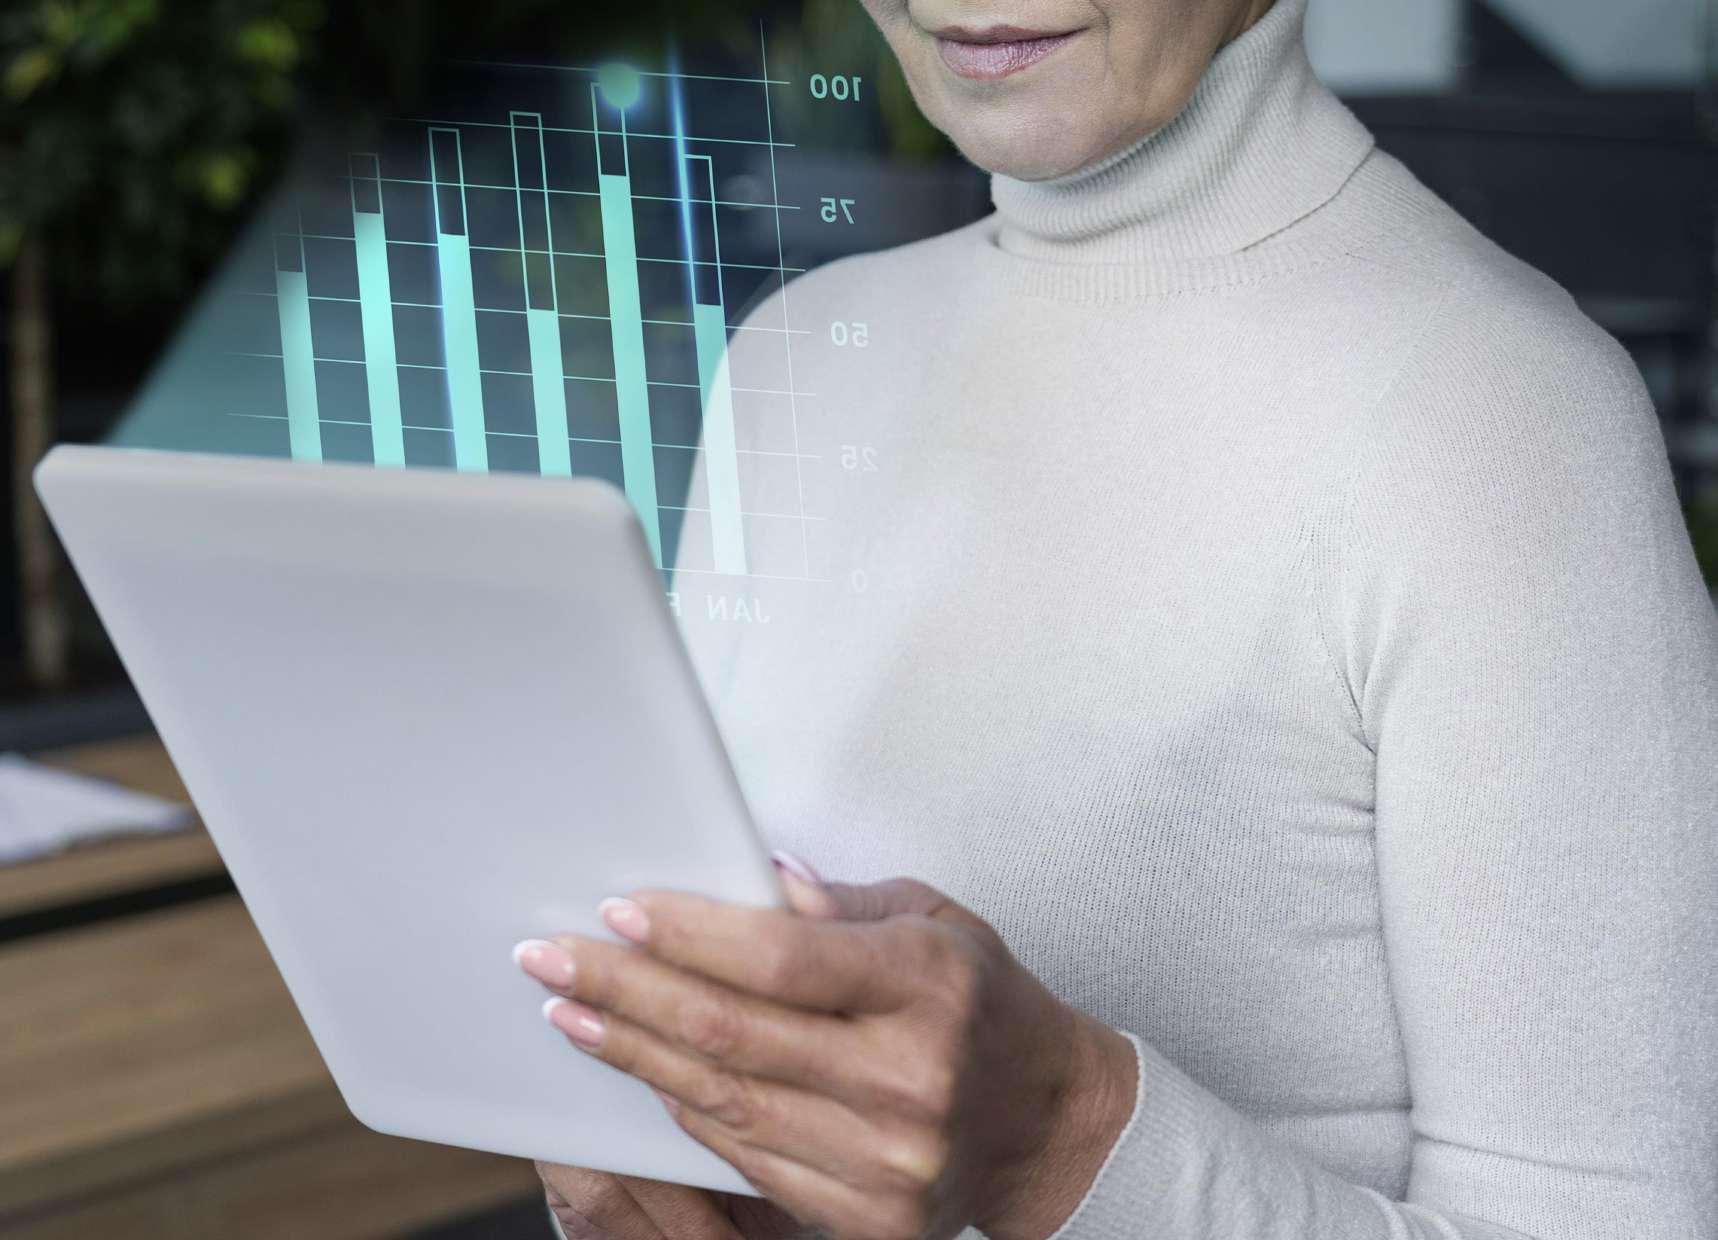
1245, 20
1260, 144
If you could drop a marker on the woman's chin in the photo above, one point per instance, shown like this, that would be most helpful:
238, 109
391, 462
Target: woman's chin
1036, 143
1007, 154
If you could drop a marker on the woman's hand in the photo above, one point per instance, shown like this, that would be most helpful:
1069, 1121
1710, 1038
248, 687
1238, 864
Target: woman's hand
876, 1062
595, 1205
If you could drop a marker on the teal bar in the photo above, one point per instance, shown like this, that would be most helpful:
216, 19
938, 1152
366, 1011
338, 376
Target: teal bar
376, 306
626, 323
459, 348
721, 457
549, 391
298, 359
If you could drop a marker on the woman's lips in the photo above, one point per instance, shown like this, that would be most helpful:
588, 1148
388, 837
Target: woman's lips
990, 56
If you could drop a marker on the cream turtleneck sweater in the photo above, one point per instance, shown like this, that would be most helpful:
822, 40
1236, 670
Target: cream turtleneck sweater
1265, 600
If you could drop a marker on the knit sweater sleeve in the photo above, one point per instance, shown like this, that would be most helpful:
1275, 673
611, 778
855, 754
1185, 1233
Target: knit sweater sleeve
1515, 619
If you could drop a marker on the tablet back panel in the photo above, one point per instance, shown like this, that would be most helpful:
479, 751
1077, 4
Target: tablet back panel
424, 715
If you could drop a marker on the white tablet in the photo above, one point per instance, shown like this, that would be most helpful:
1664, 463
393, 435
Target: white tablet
424, 715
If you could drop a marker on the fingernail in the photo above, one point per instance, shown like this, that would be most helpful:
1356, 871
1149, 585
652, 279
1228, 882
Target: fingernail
549, 963
582, 1024
668, 1100
625, 918
794, 866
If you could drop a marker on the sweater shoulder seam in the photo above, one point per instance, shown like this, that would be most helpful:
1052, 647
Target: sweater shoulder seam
1347, 503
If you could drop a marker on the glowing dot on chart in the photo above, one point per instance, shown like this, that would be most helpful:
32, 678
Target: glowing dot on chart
619, 84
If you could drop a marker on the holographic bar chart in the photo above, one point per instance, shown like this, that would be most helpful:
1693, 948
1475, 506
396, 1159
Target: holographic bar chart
547, 270
376, 306
298, 352
542, 319
721, 458
458, 303
626, 323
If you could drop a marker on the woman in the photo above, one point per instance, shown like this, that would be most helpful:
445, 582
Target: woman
1284, 666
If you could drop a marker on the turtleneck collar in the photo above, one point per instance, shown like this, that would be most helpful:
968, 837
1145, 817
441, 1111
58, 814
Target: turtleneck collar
1261, 144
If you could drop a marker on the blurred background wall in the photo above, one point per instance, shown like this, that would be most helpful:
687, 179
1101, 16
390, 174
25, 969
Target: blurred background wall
137, 137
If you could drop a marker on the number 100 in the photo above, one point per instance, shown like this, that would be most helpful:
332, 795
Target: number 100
836, 87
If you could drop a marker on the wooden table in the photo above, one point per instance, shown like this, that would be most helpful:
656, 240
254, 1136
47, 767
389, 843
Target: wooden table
155, 1077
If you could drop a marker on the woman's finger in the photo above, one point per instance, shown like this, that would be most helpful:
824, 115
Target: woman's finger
724, 1026
595, 1205
759, 1218
820, 1133
810, 962
895, 897
679, 1210
807, 1193
813, 1128
806, 890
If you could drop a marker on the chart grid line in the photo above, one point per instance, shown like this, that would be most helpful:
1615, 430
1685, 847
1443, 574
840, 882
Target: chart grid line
507, 249
579, 129
448, 430
706, 77
526, 374
590, 193
781, 272
565, 314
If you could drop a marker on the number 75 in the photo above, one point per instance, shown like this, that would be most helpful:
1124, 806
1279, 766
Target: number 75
835, 208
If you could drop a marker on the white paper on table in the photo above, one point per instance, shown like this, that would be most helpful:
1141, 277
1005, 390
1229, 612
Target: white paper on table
43, 810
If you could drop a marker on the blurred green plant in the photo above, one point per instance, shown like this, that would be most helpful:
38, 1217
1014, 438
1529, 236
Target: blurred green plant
126, 125
129, 122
